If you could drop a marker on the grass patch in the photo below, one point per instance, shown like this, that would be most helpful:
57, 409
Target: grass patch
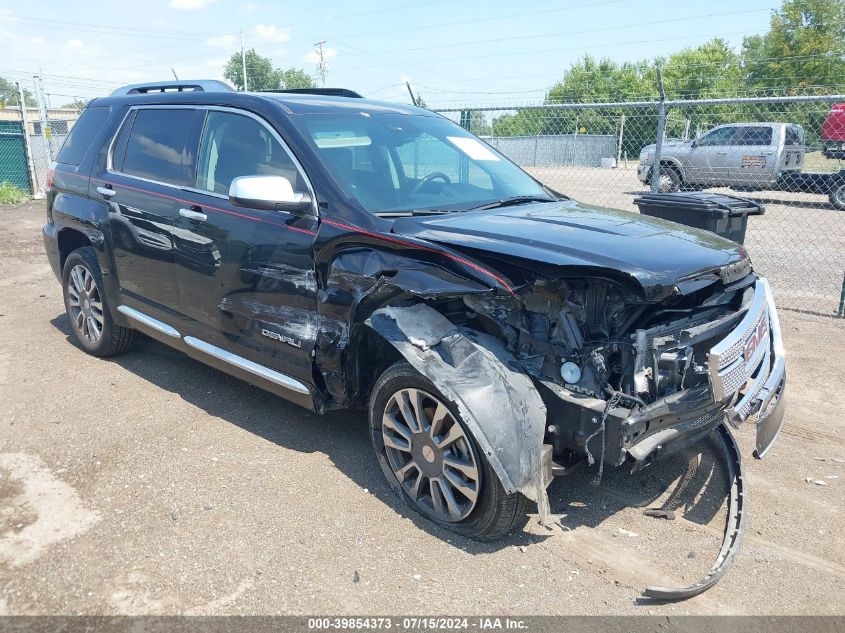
10, 194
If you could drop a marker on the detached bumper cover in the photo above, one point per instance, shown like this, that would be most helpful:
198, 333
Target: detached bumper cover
748, 376
748, 369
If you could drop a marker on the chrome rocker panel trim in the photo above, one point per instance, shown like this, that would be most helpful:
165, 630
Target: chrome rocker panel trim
149, 321
247, 365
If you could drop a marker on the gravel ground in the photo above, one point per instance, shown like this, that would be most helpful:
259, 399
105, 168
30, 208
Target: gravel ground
151, 484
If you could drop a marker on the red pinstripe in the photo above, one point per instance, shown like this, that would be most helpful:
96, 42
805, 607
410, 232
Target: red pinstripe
455, 258
335, 223
208, 206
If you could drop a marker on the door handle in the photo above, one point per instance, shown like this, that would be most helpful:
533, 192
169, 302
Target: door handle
106, 191
722, 153
191, 214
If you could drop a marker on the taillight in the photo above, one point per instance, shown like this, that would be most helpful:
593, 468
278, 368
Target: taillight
50, 171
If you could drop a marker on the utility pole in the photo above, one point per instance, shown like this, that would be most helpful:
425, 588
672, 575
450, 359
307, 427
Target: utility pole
243, 60
42, 109
322, 66
27, 143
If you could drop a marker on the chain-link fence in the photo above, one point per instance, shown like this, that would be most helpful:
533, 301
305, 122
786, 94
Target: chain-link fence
25, 159
786, 152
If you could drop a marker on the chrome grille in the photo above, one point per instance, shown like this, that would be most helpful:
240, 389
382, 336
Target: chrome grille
730, 372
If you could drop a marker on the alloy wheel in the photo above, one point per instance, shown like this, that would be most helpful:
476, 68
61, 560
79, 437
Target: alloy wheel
430, 455
839, 194
85, 304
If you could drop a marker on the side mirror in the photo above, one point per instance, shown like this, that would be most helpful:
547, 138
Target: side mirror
694, 143
270, 193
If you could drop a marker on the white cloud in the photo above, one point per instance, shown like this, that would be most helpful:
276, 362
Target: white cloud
251, 8
271, 34
75, 43
189, 5
314, 56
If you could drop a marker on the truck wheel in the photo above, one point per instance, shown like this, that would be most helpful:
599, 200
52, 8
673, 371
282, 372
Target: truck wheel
432, 461
669, 180
87, 309
837, 196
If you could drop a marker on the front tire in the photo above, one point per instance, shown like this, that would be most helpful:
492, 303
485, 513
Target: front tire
87, 307
669, 179
432, 461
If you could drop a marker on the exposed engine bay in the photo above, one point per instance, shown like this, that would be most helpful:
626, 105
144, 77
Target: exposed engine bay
594, 342
621, 380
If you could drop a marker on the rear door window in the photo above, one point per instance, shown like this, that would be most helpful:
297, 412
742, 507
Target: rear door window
159, 146
753, 135
82, 135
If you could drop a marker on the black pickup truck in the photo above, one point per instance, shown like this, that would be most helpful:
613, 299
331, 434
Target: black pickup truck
346, 253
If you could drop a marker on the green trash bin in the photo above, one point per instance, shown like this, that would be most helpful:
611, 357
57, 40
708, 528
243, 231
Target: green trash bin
725, 215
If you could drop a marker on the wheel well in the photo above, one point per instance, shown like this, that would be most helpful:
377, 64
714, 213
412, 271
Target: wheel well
69, 241
368, 356
672, 165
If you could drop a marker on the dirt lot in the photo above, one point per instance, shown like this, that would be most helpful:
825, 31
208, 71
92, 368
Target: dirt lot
153, 484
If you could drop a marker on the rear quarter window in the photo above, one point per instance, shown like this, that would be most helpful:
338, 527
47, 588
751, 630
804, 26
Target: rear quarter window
159, 146
82, 135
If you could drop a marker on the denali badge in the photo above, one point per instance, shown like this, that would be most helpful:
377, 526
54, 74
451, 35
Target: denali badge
759, 335
281, 338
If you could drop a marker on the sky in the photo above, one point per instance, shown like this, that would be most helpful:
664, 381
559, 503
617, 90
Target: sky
467, 52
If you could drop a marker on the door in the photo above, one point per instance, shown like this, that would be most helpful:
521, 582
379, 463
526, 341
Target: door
793, 149
708, 158
246, 276
753, 158
150, 160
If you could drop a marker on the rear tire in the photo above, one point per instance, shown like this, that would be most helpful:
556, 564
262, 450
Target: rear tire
87, 307
837, 196
430, 458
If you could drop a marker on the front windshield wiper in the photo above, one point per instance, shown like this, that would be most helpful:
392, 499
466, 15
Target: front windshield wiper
411, 212
509, 202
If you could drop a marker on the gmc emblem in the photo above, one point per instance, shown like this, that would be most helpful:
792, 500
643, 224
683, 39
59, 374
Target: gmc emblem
759, 335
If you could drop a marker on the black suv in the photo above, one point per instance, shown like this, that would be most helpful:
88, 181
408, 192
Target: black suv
347, 253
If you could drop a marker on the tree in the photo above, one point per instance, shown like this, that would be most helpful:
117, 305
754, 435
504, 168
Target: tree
260, 74
804, 48
76, 104
295, 78
9, 94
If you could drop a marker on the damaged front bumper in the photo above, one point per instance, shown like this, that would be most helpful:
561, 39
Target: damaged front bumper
747, 381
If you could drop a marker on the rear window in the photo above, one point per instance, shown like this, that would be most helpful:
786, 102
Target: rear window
794, 135
82, 134
158, 146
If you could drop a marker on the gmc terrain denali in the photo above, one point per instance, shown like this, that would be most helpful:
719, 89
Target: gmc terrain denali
346, 253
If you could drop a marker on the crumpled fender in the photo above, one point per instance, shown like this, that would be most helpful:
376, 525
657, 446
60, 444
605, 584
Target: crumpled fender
500, 406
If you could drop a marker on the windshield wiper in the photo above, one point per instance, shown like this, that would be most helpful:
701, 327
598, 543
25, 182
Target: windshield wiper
509, 202
411, 212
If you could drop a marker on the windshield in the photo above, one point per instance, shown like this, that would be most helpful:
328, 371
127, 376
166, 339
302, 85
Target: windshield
404, 163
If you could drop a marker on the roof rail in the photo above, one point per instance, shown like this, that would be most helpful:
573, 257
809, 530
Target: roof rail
329, 92
199, 85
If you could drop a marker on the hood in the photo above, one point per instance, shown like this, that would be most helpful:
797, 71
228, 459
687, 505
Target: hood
669, 142
655, 252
